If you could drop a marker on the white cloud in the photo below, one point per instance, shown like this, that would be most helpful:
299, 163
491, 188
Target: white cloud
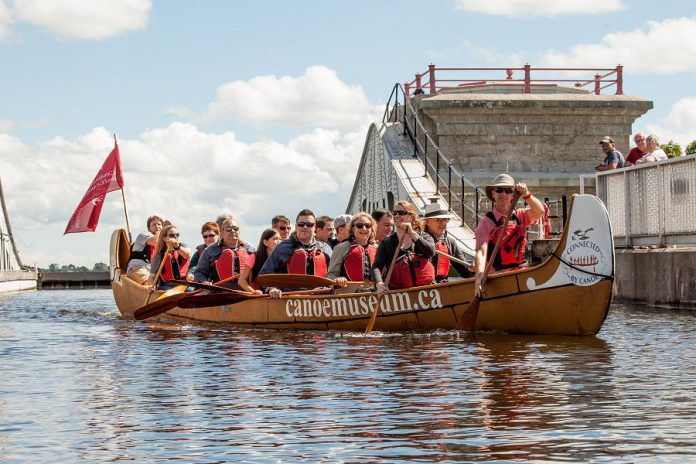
539, 7
658, 48
316, 98
5, 20
79, 19
179, 171
679, 125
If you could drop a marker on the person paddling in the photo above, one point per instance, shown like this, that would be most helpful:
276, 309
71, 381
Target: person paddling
175, 255
301, 253
436, 219
413, 266
225, 259
352, 259
511, 253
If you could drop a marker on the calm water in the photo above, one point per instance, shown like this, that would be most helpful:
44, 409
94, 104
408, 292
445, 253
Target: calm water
77, 383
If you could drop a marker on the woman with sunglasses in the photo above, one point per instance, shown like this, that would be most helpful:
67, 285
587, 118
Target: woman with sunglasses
247, 279
352, 259
210, 232
175, 255
413, 266
224, 259
511, 252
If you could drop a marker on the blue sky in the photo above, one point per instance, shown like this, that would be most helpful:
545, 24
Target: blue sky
203, 131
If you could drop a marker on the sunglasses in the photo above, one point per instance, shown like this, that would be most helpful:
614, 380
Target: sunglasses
284, 227
503, 190
209, 235
305, 224
400, 212
172, 235
362, 225
230, 228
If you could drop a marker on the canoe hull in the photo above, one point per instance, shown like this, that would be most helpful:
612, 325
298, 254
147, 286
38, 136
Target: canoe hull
569, 294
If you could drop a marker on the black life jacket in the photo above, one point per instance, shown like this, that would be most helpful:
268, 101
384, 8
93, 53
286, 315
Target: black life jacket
511, 252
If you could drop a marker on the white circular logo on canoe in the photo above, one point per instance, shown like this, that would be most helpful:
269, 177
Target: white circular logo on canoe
584, 263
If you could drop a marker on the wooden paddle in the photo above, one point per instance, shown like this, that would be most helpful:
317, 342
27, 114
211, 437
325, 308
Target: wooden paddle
375, 308
452, 258
162, 304
170, 299
220, 299
296, 281
153, 285
210, 287
470, 315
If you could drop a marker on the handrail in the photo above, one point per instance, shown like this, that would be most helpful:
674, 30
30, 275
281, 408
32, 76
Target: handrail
598, 82
433, 158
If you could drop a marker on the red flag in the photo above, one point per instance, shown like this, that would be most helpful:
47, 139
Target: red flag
108, 179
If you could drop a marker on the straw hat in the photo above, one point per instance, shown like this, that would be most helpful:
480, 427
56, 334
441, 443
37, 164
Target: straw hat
436, 211
502, 180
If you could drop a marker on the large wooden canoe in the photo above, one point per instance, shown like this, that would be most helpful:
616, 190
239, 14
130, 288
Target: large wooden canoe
568, 294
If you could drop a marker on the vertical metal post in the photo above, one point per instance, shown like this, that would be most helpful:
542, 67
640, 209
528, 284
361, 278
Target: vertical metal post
462, 198
564, 209
407, 89
431, 70
476, 205
419, 85
527, 79
437, 170
597, 82
405, 108
619, 80
449, 187
425, 153
396, 102
415, 136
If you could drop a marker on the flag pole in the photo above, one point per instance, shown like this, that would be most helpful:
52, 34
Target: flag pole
125, 205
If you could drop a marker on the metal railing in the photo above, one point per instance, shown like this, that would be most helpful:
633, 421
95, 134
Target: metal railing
651, 204
457, 188
433, 81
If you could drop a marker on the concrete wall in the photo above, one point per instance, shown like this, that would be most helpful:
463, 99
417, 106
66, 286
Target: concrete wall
662, 275
546, 140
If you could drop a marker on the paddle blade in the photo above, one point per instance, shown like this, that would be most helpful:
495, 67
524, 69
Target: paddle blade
293, 281
470, 315
202, 286
159, 306
214, 299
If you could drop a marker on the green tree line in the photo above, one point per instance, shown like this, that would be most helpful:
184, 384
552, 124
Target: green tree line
55, 267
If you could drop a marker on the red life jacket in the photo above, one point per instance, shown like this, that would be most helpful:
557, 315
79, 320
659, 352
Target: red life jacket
175, 266
358, 262
511, 252
442, 263
411, 270
230, 262
311, 260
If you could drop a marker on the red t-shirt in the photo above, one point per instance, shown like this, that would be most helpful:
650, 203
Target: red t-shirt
634, 155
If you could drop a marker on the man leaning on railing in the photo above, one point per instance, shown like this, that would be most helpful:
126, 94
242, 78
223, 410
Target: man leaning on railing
614, 158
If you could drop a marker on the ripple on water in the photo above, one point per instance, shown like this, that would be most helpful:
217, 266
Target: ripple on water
79, 383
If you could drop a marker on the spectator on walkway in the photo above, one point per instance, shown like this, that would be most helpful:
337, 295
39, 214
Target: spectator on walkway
638, 151
654, 152
342, 227
614, 158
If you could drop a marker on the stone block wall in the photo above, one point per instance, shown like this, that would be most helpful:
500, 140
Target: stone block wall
547, 140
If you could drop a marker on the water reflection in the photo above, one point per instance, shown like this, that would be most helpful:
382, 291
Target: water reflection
79, 383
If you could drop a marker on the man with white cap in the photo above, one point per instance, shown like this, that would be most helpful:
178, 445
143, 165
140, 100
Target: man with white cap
436, 219
514, 229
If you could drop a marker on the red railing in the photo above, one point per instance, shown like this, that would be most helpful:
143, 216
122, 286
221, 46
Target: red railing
434, 82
